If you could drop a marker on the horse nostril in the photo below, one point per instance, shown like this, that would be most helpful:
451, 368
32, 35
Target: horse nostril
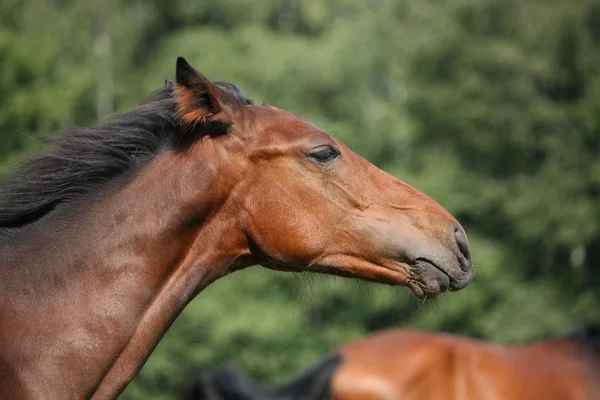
463, 246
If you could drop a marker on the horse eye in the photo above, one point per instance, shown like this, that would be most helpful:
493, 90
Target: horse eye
324, 155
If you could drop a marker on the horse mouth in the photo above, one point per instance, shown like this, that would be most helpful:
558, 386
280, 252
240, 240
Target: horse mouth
431, 280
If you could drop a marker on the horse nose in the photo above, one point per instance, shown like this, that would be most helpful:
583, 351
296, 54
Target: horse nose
462, 245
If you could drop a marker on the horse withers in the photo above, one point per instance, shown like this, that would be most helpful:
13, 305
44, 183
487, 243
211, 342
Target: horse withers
106, 237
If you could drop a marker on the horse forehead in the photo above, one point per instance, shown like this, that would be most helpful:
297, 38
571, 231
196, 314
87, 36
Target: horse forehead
284, 120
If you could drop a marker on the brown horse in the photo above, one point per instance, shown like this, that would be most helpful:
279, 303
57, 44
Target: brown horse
105, 238
412, 365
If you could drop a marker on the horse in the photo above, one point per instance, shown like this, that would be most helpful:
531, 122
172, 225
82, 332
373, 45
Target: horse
226, 384
409, 364
405, 364
107, 236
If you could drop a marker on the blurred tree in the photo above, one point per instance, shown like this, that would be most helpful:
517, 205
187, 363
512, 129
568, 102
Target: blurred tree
506, 92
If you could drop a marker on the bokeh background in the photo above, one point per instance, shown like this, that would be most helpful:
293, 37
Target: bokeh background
492, 107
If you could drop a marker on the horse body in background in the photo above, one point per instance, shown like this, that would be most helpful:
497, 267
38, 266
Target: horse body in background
106, 238
413, 365
404, 364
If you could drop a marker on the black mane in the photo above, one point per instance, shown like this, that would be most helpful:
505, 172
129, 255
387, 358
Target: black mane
228, 383
85, 159
589, 334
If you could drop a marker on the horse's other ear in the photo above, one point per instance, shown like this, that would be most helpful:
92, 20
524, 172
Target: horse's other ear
314, 384
200, 102
169, 85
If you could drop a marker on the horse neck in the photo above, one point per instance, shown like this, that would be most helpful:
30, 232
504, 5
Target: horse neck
92, 299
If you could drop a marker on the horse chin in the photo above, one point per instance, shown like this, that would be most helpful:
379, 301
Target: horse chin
417, 291
423, 293
427, 281
431, 281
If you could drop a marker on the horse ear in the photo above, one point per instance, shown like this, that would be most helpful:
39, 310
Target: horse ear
200, 102
169, 84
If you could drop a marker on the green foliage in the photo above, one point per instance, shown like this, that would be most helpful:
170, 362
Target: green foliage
489, 106
513, 103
